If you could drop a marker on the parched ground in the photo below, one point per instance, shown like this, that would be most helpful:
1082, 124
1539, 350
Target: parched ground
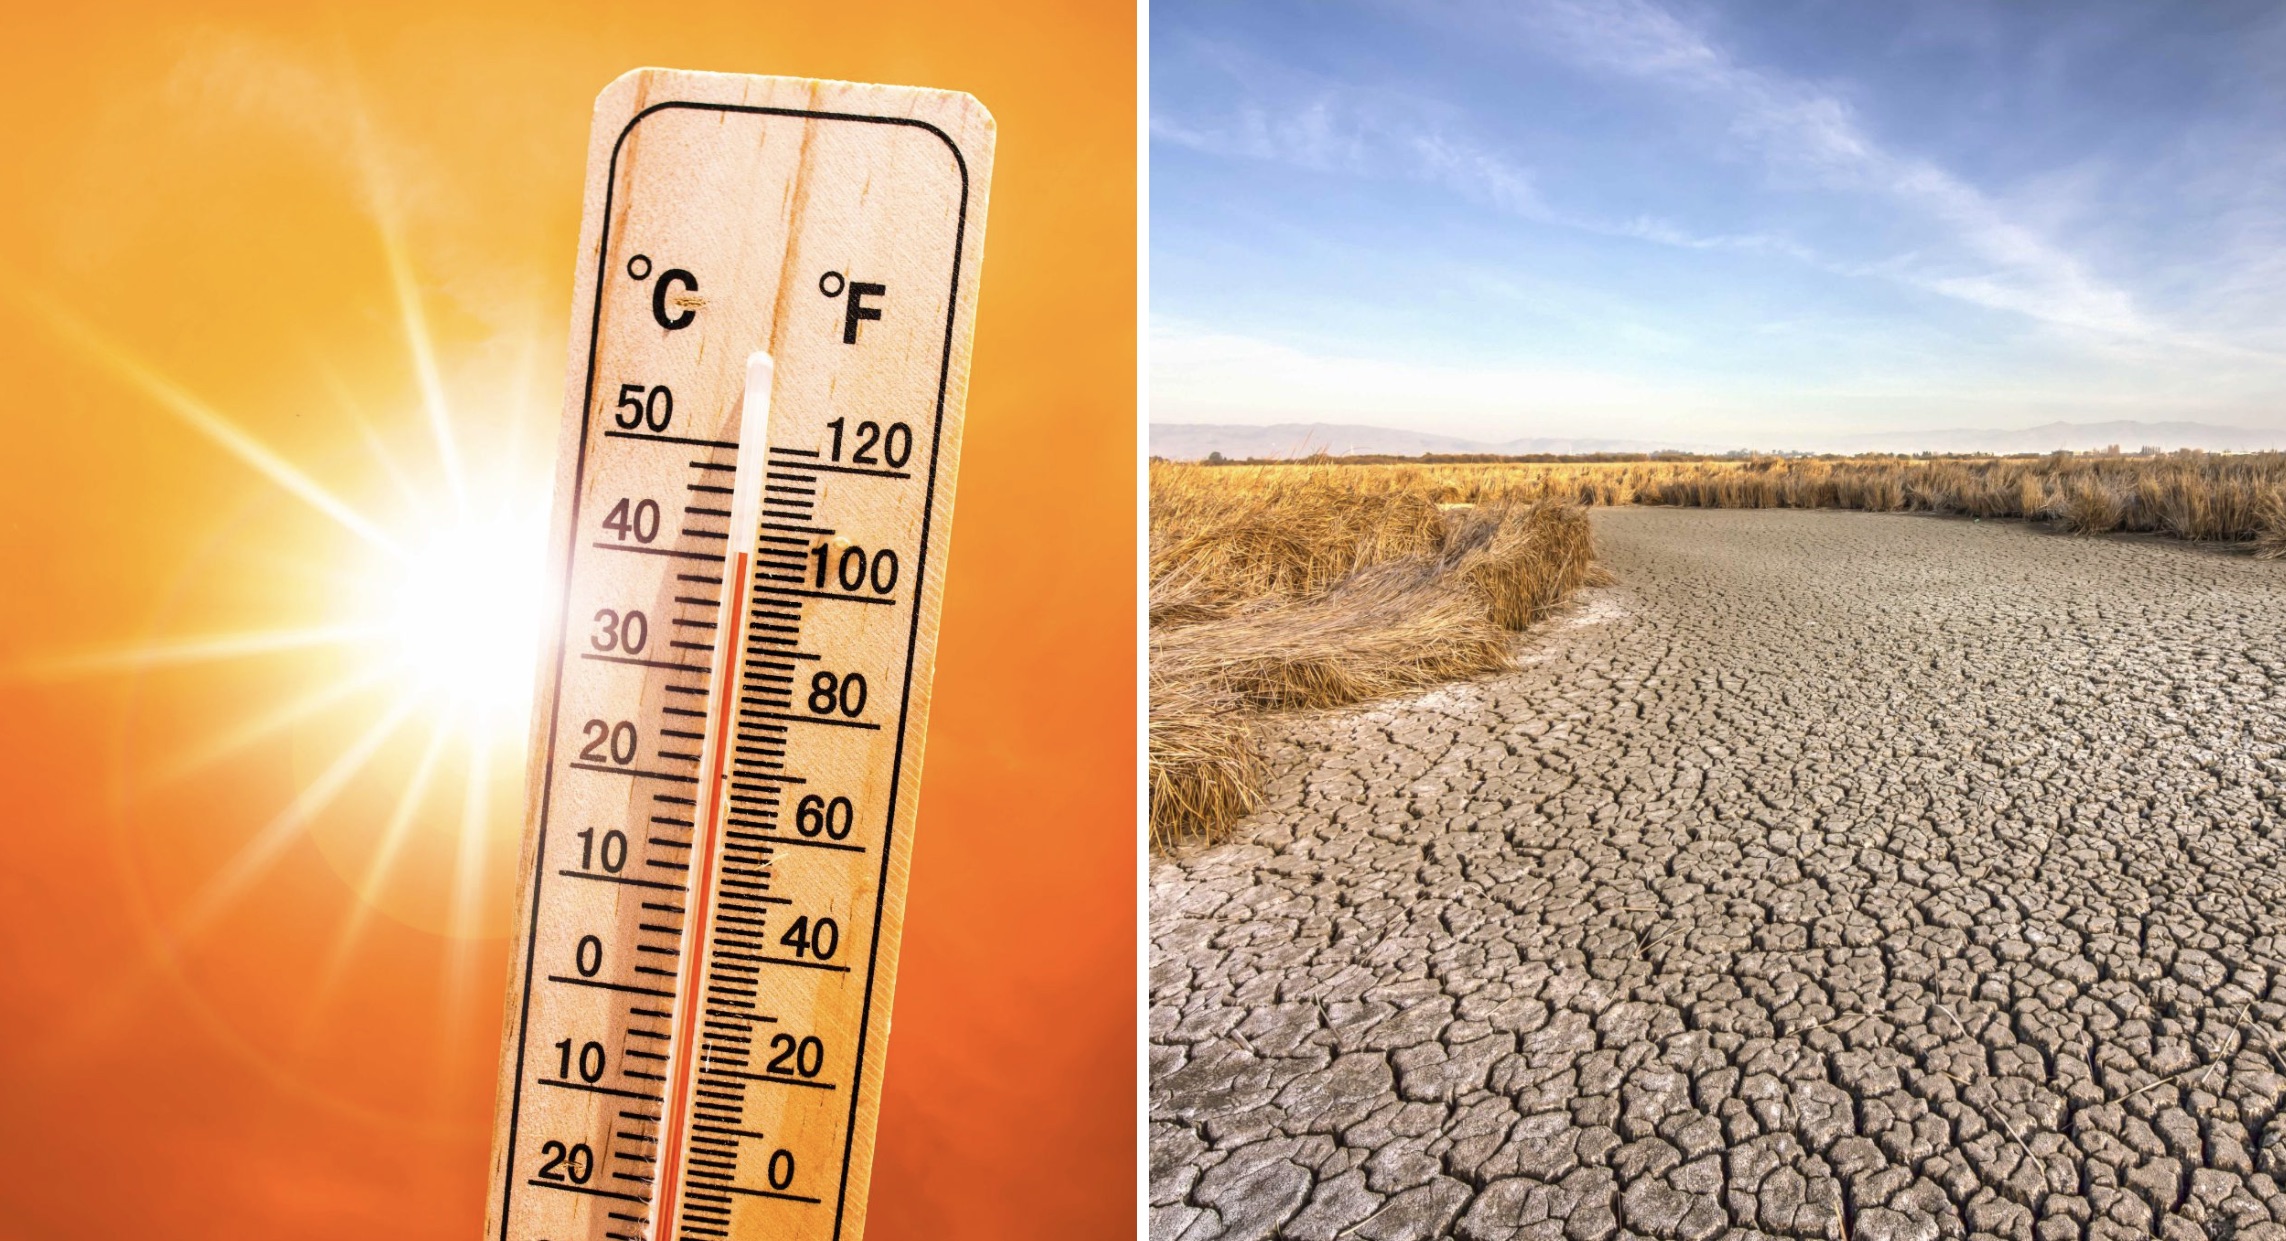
1832, 875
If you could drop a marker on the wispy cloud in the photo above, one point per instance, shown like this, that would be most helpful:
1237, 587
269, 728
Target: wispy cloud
1880, 219
1321, 131
1653, 229
2004, 263
1310, 136
1998, 259
1292, 119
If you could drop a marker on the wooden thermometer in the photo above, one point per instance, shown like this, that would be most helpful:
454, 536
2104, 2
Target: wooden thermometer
762, 417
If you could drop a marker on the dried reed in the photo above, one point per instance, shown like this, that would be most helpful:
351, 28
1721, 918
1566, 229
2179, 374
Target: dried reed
1320, 583
1318, 588
2197, 496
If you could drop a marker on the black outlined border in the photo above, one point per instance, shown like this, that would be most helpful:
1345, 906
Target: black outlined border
905, 698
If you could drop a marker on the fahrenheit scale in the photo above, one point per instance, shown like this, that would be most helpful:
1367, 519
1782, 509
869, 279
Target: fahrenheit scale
763, 406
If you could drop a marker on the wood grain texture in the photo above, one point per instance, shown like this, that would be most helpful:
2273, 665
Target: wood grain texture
839, 229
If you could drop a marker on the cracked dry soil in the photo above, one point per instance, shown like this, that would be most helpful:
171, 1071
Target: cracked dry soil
1855, 875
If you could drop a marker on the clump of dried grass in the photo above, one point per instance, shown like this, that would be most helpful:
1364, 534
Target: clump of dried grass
2092, 507
2270, 524
1214, 547
1388, 628
1206, 768
1324, 589
1521, 561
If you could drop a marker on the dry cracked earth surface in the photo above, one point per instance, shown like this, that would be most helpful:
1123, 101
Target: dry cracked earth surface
1832, 875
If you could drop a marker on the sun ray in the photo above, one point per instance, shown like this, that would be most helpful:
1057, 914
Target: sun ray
377, 871
513, 446
467, 889
257, 854
203, 418
248, 731
335, 387
207, 649
424, 357
413, 659
520, 399
406, 492
381, 188
475, 824
420, 657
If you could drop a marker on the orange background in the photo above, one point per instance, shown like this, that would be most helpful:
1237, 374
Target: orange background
198, 210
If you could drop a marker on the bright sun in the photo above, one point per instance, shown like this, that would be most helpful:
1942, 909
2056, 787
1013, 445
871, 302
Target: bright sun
393, 684
407, 752
463, 612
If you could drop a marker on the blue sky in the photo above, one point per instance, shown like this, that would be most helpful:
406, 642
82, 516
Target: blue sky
1753, 224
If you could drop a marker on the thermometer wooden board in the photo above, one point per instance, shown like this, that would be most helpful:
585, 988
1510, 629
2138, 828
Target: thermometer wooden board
762, 420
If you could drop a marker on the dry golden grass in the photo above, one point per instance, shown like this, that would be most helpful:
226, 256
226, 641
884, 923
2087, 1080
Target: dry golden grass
1285, 535
2270, 520
2204, 497
1206, 770
1318, 587
1314, 584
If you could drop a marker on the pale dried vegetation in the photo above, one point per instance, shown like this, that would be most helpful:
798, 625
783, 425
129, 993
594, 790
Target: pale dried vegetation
1318, 587
2237, 498
1318, 584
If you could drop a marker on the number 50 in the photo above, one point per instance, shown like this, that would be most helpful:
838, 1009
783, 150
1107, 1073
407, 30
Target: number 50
654, 409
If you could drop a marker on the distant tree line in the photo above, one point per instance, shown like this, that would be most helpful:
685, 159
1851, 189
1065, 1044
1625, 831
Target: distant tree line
1637, 458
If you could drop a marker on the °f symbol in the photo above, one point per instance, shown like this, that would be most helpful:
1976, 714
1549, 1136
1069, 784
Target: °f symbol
854, 310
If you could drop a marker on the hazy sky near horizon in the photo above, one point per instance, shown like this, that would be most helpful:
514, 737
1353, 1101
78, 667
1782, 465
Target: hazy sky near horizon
1750, 224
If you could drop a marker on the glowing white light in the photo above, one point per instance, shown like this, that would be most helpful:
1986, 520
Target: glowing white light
466, 614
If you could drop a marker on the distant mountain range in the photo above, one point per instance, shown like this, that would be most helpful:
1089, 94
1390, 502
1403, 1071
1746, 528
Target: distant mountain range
1192, 441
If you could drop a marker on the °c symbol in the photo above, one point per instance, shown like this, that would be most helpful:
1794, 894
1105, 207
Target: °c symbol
831, 284
668, 279
639, 267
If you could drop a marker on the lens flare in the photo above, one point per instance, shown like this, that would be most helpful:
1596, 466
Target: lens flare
393, 686
463, 613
